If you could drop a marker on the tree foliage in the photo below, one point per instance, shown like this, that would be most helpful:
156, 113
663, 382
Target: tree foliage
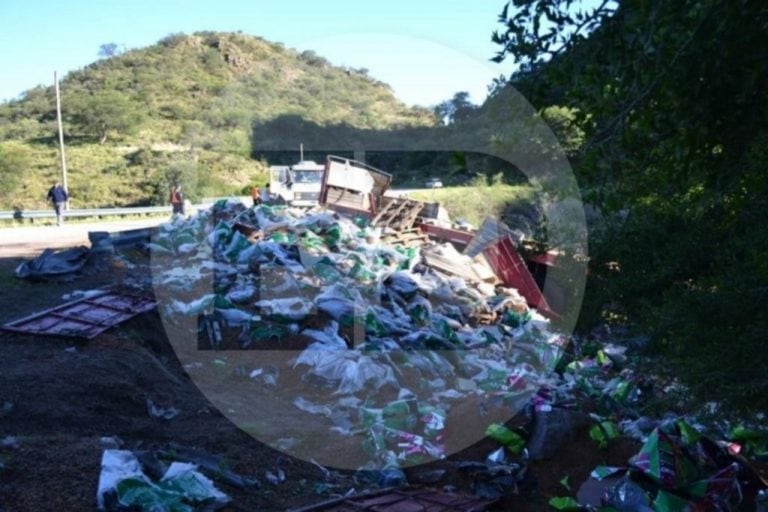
672, 100
102, 112
456, 110
202, 92
14, 161
108, 50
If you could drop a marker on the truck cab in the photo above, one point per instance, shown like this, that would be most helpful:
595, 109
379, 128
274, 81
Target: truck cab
298, 184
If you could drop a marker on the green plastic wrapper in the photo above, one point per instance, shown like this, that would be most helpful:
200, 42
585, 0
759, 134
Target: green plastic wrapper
604, 432
361, 273
515, 319
373, 325
223, 232
661, 460
282, 237
267, 331
399, 415
419, 314
510, 440
755, 442
668, 502
326, 271
442, 328
332, 235
565, 503
134, 492
184, 237
411, 256
310, 240
180, 493
237, 244
688, 435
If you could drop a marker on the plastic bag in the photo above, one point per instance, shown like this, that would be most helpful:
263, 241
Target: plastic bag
290, 309
122, 483
342, 303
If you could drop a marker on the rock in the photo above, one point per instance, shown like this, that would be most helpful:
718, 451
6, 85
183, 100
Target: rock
552, 429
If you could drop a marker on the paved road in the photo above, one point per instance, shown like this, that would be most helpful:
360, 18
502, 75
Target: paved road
31, 240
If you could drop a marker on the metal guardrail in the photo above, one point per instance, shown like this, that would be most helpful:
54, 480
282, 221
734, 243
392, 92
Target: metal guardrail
89, 212
110, 212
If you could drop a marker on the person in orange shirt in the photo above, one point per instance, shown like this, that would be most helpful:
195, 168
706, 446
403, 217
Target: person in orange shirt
255, 195
177, 200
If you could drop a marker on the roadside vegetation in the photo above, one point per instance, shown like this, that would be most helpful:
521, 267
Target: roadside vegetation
181, 110
670, 99
474, 203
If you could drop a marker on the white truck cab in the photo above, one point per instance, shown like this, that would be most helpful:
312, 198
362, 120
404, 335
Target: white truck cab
298, 184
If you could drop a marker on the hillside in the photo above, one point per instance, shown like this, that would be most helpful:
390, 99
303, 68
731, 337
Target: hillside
182, 109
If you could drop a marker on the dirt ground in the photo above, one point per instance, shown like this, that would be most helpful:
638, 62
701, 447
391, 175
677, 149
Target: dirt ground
65, 396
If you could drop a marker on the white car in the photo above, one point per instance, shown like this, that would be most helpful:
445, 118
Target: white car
434, 183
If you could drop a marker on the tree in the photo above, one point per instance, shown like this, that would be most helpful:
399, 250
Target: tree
455, 110
102, 112
108, 50
444, 111
463, 109
671, 98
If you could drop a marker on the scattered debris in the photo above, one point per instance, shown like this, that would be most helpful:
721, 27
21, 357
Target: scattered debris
395, 329
123, 484
214, 465
54, 264
401, 500
552, 429
10, 442
163, 413
111, 442
275, 478
83, 318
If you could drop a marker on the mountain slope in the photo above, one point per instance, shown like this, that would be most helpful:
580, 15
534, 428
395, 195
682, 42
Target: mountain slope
183, 109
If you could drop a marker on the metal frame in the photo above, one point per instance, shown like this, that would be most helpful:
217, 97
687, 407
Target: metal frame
83, 318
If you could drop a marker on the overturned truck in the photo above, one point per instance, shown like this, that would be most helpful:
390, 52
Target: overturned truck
355, 188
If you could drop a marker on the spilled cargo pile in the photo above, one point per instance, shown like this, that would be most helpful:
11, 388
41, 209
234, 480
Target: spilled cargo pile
389, 341
357, 342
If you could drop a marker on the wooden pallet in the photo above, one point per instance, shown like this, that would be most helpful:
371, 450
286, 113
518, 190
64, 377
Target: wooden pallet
398, 213
408, 238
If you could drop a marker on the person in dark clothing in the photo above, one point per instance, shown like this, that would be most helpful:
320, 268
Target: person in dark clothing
58, 196
177, 200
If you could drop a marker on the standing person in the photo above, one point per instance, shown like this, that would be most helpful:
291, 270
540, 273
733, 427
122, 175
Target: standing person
255, 195
177, 200
266, 194
58, 196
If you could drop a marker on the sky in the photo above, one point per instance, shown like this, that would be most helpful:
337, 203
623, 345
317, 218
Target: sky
427, 50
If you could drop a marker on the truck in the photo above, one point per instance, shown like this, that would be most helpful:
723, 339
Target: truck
353, 187
298, 184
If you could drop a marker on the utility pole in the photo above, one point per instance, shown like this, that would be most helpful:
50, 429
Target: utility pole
61, 139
